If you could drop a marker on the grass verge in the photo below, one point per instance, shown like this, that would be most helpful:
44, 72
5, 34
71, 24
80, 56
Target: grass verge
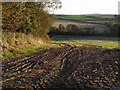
24, 50
18, 44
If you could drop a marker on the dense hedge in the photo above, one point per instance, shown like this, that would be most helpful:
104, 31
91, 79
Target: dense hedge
114, 28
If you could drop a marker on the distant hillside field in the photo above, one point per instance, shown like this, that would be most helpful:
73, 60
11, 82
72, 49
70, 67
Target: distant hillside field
98, 27
89, 24
87, 18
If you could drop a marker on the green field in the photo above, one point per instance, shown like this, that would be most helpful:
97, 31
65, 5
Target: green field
87, 18
103, 42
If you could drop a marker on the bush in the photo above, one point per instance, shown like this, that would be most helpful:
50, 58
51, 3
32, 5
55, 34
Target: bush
114, 29
61, 28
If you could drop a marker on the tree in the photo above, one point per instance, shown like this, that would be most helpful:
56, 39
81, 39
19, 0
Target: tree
27, 17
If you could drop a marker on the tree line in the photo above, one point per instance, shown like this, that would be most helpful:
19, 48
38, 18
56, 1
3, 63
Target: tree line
72, 29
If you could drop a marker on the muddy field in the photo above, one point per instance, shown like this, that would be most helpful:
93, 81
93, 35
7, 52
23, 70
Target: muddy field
64, 67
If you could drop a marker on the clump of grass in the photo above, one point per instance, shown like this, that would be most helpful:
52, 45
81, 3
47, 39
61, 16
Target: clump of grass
7, 54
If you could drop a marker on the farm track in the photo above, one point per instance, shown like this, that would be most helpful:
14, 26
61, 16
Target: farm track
64, 67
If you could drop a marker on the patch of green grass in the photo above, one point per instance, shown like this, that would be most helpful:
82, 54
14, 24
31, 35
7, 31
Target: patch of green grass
103, 42
7, 54
95, 21
20, 51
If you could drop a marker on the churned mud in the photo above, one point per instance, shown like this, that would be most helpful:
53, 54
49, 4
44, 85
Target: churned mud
64, 67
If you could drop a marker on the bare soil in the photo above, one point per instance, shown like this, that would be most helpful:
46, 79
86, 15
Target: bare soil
83, 67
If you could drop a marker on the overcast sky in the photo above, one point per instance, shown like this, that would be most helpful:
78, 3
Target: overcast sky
88, 7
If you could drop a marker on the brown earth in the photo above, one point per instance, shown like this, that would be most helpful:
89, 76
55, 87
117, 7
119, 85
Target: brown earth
64, 67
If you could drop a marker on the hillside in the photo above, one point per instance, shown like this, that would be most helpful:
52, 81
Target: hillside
99, 28
88, 18
94, 25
